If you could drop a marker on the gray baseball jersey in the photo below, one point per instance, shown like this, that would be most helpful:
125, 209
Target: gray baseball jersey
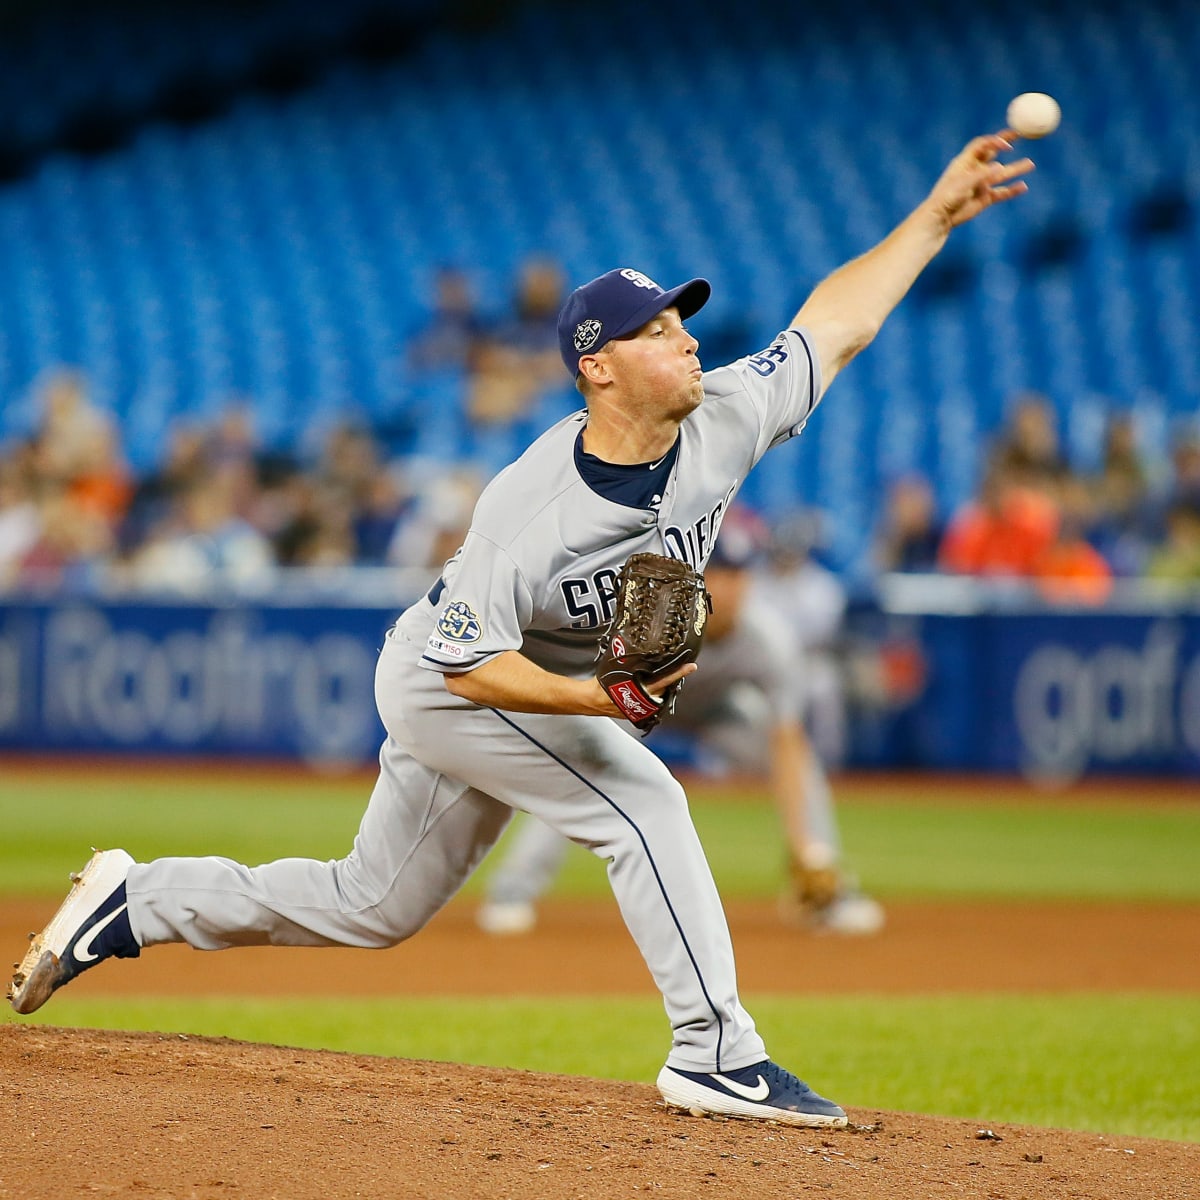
537, 574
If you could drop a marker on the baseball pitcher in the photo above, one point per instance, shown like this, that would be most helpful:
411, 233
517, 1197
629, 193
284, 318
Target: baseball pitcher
487, 688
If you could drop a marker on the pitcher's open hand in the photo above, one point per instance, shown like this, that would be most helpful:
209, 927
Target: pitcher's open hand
976, 179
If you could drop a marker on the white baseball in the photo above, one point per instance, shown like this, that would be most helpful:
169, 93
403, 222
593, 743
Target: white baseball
1034, 114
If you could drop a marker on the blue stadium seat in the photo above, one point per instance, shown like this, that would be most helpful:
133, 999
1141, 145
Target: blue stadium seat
283, 249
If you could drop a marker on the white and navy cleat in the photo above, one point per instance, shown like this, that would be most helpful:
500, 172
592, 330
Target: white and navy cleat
764, 1091
92, 924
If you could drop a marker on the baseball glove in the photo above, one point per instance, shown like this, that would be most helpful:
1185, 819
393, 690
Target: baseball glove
657, 627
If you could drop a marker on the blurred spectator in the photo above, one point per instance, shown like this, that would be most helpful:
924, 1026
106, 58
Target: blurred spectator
437, 524
72, 550
519, 359
67, 424
308, 521
1178, 559
101, 483
184, 464
1120, 493
221, 510
382, 508
450, 339
309, 516
20, 521
1185, 464
327, 535
204, 542
284, 510
349, 461
353, 476
1005, 533
810, 601
1170, 497
1070, 570
63, 494
76, 448
232, 448
532, 330
1028, 450
909, 533
1121, 485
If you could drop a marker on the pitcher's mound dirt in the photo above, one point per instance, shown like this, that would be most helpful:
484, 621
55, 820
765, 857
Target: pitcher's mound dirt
154, 1116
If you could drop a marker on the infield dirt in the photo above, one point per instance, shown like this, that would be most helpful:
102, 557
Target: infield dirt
155, 1116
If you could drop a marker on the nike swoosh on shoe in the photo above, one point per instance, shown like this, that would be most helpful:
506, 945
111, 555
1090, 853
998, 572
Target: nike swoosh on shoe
81, 951
760, 1091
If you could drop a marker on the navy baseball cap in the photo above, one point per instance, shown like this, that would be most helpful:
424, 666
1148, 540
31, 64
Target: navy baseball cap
617, 303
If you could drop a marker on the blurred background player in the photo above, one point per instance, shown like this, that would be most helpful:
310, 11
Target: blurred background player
745, 708
800, 592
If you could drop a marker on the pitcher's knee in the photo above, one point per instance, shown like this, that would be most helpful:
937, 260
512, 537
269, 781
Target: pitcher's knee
381, 913
380, 929
669, 808
658, 823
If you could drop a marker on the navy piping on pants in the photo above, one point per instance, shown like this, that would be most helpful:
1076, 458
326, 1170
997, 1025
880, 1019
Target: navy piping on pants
653, 866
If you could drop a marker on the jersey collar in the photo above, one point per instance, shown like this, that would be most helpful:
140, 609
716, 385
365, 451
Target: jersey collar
634, 485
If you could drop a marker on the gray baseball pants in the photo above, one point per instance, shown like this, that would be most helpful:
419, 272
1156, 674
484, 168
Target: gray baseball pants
450, 776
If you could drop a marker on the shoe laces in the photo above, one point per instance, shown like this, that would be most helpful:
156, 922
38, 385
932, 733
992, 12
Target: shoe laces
780, 1080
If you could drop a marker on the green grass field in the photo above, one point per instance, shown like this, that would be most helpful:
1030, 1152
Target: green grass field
1124, 1063
903, 840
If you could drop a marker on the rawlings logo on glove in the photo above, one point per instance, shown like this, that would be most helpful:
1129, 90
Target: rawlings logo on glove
657, 627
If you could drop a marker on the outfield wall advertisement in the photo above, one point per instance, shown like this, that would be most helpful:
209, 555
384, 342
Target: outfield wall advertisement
259, 681
1054, 694
1057, 694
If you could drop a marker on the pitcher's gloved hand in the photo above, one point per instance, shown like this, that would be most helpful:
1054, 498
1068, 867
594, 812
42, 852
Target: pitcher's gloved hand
656, 628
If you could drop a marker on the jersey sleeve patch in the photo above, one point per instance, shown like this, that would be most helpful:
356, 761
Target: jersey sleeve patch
458, 623
446, 648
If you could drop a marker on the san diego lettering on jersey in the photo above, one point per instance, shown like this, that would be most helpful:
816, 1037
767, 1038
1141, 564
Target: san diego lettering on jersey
694, 544
590, 599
